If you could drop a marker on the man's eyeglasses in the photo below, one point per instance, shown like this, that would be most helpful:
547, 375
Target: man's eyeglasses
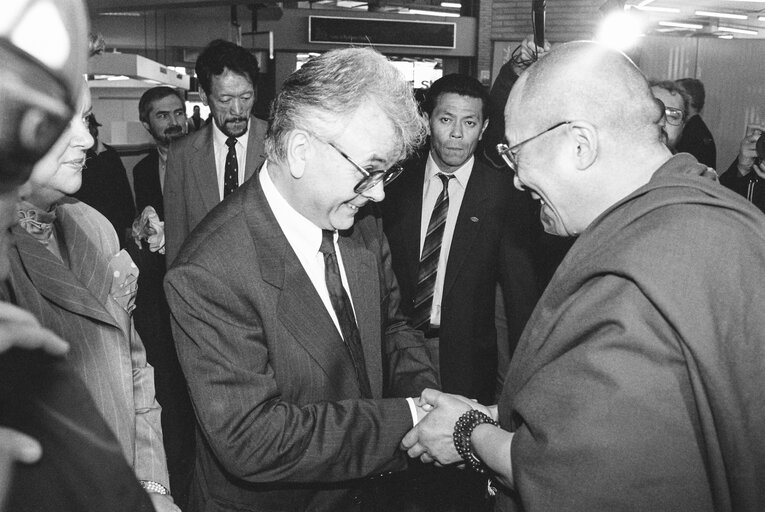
371, 178
508, 153
674, 115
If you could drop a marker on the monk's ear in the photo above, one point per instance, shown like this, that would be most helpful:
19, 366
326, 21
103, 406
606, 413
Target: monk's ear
298, 146
585, 138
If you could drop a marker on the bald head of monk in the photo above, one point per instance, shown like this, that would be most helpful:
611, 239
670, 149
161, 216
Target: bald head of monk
589, 133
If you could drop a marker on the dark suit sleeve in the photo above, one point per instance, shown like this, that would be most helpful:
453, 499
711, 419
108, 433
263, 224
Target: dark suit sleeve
176, 223
410, 369
227, 344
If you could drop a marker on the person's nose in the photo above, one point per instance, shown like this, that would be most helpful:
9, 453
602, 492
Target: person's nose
81, 137
518, 184
238, 107
376, 193
456, 131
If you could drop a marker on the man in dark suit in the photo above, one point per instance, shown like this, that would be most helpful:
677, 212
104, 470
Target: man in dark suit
209, 164
162, 112
285, 307
448, 292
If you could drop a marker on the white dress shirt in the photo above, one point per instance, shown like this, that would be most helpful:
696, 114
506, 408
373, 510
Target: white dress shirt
431, 189
221, 150
305, 239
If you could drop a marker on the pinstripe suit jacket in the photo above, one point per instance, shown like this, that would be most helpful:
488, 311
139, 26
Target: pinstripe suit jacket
191, 180
74, 302
274, 390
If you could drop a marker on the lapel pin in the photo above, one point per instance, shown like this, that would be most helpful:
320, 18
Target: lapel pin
473, 219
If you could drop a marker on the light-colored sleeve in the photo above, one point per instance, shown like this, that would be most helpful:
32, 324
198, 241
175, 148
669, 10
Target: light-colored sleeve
176, 223
150, 461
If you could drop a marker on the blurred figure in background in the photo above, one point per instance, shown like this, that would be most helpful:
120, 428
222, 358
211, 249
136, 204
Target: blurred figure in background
696, 138
746, 175
105, 184
675, 102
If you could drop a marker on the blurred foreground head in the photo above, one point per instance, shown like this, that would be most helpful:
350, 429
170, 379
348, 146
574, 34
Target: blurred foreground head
43, 48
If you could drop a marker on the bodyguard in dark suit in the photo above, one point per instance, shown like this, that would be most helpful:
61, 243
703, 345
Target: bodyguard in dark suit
210, 163
449, 292
286, 310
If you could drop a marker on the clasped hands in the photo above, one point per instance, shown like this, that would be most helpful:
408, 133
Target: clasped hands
431, 440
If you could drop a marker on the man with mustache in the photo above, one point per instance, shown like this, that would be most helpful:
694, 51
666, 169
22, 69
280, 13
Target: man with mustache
163, 113
209, 164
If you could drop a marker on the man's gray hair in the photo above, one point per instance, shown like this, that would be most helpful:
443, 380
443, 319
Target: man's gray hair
331, 87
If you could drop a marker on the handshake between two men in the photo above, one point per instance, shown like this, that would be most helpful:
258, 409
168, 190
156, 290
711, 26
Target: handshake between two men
460, 431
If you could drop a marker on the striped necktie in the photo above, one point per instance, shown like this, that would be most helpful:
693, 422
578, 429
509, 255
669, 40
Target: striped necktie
431, 251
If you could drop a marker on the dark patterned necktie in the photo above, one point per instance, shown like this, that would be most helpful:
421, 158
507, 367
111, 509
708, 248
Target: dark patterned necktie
431, 251
231, 171
341, 303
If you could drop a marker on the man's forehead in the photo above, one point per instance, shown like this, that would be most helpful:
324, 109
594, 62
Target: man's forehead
167, 103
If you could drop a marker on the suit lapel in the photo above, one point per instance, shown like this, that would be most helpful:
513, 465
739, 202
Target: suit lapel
300, 308
361, 271
468, 225
203, 168
57, 282
255, 148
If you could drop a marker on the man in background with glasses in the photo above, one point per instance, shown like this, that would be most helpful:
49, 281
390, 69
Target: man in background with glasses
633, 386
675, 101
286, 310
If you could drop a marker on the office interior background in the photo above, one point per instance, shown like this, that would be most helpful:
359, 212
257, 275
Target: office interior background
150, 42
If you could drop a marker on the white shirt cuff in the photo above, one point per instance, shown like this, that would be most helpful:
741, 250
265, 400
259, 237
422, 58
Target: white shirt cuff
413, 410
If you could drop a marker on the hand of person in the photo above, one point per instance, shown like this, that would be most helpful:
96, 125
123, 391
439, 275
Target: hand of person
748, 151
432, 438
528, 53
163, 502
19, 328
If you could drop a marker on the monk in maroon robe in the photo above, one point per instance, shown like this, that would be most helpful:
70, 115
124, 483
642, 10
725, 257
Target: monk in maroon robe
638, 382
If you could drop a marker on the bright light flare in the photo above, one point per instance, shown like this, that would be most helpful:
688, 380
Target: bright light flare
619, 30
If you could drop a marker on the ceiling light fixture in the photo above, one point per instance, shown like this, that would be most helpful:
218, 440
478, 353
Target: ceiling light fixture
677, 24
721, 15
738, 30
451, 5
434, 13
658, 9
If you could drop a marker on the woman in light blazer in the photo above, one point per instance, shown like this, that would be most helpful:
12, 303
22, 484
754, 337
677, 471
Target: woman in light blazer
68, 270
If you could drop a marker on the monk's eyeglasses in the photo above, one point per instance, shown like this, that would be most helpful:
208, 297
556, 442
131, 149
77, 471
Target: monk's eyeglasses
508, 153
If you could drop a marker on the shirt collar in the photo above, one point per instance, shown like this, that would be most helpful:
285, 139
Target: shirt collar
303, 235
219, 138
461, 175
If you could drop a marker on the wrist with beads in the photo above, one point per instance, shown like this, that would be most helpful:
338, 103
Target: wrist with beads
463, 429
155, 487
